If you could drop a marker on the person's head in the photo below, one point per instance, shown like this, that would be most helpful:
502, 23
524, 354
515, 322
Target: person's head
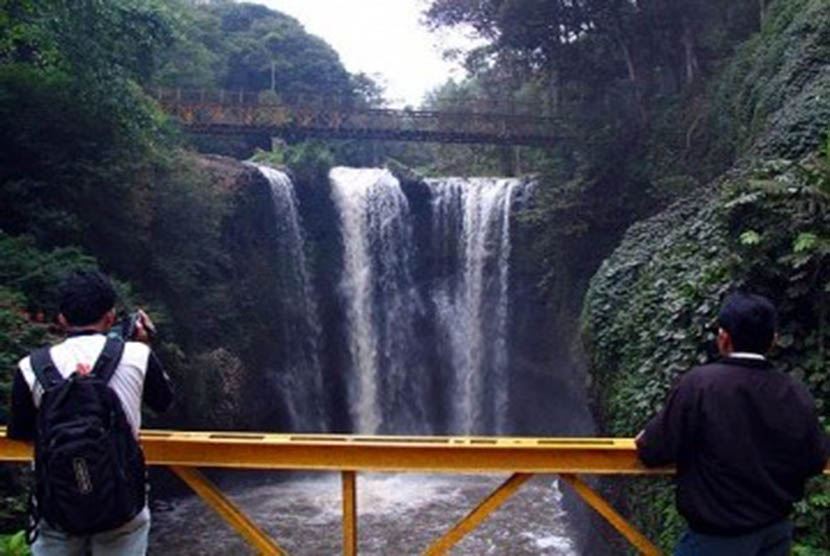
87, 300
747, 324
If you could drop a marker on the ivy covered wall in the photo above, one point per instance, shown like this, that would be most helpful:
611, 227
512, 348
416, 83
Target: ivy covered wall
650, 312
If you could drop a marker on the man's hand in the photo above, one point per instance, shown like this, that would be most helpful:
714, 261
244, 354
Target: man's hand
145, 330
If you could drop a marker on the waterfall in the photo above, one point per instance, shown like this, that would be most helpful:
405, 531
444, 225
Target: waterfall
471, 236
300, 378
468, 289
388, 387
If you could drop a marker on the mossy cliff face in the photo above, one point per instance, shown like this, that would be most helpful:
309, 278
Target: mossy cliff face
226, 328
235, 330
771, 100
650, 311
209, 302
237, 349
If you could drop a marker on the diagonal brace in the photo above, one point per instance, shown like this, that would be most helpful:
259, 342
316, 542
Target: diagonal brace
214, 498
640, 542
478, 515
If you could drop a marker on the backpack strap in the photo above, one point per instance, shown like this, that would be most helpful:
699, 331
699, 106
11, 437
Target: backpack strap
44, 368
108, 360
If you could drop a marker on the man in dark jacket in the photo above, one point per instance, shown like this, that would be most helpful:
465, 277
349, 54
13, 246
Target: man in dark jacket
744, 437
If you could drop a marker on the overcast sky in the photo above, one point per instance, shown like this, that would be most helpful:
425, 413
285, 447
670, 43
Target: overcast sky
382, 38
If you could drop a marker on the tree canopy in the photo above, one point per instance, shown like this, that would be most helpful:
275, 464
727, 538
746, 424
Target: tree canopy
622, 38
227, 45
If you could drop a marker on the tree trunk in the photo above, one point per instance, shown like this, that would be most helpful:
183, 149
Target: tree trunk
692, 64
632, 76
629, 62
273, 77
553, 93
762, 12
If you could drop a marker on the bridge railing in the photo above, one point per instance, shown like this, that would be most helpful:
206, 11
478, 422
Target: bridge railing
521, 458
228, 112
266, 98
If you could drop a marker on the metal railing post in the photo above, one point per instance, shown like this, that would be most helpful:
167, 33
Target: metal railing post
349, 513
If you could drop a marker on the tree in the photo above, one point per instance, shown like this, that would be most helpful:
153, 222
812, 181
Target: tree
248, 46
562, 38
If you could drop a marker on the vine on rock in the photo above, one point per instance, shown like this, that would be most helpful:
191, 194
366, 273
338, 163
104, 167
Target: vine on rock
651, 311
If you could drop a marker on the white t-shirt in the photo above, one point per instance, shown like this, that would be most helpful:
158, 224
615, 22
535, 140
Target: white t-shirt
81, 352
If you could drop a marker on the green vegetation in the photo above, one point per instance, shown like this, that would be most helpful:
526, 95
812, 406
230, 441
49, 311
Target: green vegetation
658, 99
91, 165
227, 45
651, 310
628, 83
662, 99
92, 174
14, 545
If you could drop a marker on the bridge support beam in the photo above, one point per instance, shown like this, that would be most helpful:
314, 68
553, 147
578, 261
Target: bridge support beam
478, 515
349, 513
637, 539
184, 451
227, 510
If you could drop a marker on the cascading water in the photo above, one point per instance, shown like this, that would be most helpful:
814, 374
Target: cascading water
300, 378
468, 289
424, 296
471, 235
382, 304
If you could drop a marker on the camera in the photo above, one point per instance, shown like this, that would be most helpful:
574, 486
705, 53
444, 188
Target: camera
125, 328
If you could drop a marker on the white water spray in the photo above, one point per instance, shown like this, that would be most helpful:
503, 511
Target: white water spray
472, 299
381, 301
300, 380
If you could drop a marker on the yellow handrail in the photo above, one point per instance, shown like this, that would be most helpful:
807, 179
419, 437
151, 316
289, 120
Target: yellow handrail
521, 457
380, 453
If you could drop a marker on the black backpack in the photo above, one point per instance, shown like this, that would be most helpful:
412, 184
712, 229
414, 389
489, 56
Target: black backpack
89, 468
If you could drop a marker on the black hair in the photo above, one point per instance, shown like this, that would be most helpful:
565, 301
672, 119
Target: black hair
85, 297
751, 321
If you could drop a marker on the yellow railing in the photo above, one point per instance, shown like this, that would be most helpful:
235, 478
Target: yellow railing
184, 452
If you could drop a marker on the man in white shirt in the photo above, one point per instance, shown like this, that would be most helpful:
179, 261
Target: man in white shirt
87, 312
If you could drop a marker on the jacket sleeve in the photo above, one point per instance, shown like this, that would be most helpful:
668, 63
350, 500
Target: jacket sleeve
158, 390
822, 452
22, 424
667, 432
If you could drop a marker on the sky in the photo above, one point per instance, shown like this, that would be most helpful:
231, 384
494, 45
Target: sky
384, 39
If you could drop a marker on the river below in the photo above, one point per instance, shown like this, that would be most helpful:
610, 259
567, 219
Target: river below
397, 514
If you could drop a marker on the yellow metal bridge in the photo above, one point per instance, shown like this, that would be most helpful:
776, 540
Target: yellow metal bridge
521, 458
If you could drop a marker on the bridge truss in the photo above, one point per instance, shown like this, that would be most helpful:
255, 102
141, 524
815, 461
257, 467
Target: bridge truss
242, 113
519, 458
